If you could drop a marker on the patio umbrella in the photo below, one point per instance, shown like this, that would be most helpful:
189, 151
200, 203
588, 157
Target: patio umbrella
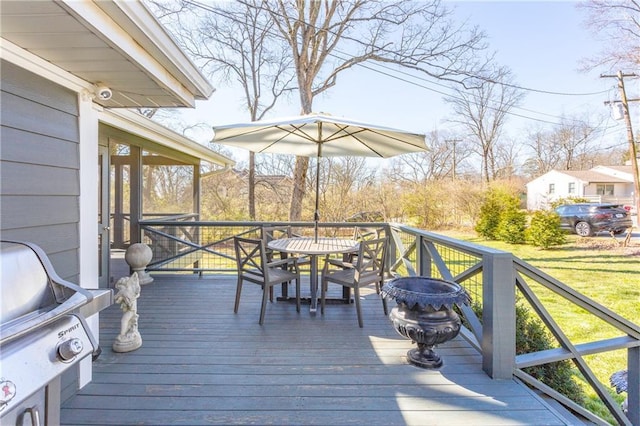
319, 135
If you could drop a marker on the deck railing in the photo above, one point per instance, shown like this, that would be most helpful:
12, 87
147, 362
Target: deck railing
492, 278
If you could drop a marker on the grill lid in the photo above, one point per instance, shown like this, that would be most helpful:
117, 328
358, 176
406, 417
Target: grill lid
32, 294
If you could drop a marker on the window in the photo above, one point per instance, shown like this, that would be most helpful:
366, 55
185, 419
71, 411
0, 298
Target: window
604, 189
572, 187
552, 188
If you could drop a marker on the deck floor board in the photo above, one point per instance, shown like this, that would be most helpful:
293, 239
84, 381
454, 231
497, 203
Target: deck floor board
201, 364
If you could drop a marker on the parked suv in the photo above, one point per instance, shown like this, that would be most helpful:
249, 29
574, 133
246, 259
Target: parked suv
585, 219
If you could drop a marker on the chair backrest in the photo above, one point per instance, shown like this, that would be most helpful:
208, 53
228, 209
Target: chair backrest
270, 233
371, 259
250, 256
361, 233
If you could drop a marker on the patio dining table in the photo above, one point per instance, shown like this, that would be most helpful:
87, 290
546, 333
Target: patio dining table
313, 248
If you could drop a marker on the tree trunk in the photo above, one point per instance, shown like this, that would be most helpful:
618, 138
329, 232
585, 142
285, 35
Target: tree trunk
299, 181
302, 163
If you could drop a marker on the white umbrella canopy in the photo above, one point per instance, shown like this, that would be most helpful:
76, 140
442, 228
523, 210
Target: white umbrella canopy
319, 135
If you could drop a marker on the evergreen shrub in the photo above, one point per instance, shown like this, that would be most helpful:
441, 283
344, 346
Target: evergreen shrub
500, 217
512, 225
544, 230
531, 336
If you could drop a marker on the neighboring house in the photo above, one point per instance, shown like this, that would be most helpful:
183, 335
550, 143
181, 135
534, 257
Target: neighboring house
69, 69
600, 184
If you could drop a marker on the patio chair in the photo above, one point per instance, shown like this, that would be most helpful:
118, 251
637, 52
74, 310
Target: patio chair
362, 233
270, 233
253, 266
367, 269
367, 233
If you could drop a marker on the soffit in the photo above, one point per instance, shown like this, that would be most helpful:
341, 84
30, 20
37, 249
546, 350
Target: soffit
127, 126
118, 44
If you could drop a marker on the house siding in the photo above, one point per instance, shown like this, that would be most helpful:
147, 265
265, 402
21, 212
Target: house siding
39, 172
39, 164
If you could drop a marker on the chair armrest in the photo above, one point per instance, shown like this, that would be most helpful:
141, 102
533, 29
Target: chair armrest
339, 263
286, 261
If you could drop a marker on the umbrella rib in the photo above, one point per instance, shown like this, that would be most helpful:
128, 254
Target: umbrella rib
341, 133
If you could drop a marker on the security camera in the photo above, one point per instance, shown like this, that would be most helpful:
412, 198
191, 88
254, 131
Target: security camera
103, 93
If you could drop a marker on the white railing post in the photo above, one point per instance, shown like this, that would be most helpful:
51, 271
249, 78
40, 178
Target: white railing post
498, 315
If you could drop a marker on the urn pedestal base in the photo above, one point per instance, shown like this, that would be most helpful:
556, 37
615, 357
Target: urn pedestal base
424, 356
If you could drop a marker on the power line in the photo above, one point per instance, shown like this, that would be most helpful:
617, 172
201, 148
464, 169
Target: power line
393, 73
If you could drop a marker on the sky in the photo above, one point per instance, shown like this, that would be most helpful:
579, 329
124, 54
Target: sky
543, 42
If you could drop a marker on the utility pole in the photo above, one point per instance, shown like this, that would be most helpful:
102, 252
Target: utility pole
633, 151
454, 141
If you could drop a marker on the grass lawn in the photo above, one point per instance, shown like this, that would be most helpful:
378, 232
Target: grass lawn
601, 270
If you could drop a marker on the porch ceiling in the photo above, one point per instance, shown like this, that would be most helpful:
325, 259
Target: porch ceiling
116, 44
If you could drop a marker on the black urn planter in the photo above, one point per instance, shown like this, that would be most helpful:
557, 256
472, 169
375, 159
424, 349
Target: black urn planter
424, 313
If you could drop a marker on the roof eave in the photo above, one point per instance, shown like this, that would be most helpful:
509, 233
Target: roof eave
133, 30
144, 19
140, 125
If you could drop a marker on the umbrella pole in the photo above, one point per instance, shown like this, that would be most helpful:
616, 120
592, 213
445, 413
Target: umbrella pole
316, 215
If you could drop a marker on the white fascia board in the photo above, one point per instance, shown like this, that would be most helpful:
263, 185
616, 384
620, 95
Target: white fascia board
140, 125
110, 31
140, 15
35, 64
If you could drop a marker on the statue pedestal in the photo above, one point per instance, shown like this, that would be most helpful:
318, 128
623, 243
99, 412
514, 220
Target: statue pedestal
127, 343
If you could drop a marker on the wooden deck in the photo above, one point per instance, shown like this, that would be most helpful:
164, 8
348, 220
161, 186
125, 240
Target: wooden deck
201, 364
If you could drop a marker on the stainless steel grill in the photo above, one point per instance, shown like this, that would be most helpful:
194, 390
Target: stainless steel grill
43, 333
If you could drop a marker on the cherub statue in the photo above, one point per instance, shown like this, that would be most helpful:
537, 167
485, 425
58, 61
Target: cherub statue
129, 338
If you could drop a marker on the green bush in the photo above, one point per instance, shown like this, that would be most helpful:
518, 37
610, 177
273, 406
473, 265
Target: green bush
512, 225
544, 230
570, 200
490, 211
500, 217
531, 336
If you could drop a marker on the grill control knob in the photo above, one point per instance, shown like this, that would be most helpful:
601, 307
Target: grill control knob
68, 349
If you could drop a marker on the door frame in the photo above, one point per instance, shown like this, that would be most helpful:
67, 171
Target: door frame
104, 218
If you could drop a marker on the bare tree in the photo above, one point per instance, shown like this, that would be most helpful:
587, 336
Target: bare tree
619, 23
342, 180
234, 42
570, 145
482, 110
545, 155
506, 157
327, 37
443, 159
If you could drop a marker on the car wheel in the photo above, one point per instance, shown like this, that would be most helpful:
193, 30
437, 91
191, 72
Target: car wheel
583, 229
